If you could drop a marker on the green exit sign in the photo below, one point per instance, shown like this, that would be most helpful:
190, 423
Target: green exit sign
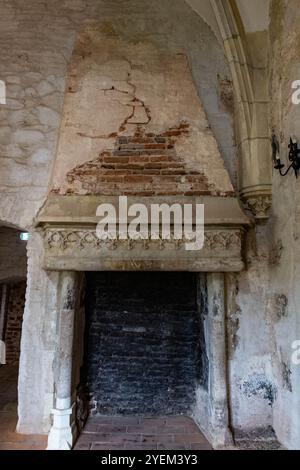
24, 236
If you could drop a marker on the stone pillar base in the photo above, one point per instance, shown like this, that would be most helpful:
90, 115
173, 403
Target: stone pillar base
63, 432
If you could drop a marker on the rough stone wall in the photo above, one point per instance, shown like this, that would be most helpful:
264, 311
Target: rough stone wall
284, 297
13, 257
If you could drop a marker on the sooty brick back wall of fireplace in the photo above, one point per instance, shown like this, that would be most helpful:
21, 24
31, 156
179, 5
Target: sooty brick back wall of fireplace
144, 343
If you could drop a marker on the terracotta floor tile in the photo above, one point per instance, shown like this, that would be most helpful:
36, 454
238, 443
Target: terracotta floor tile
101, 432
161, 433
107, 446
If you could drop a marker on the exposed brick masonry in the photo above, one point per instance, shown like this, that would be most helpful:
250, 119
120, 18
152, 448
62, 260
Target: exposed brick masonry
144, 164
138, 433
144, 343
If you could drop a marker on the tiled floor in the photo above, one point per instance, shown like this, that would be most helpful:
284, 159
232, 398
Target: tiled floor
100, 433
133, 433
9, 439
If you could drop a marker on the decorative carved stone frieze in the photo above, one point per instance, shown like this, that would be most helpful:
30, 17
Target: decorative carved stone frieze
68, 225
80, 249
64, 239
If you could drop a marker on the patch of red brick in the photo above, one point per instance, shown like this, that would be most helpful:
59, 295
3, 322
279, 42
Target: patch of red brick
141, 165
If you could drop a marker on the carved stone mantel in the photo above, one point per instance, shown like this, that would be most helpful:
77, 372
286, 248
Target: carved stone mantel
68, 224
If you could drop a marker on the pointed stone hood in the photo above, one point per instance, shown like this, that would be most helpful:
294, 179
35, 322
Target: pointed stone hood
133, 125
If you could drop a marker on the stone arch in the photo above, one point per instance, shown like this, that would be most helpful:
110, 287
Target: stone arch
241, 30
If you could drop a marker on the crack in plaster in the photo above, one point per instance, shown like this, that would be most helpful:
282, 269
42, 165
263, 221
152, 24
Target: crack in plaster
136, 103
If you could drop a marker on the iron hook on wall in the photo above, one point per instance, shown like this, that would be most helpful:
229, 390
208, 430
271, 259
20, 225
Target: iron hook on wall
294, 156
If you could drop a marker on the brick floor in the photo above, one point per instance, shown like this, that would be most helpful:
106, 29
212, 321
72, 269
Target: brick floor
9, 439
100, 433
139, 433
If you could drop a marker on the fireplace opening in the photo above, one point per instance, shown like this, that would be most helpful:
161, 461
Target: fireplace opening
144, 348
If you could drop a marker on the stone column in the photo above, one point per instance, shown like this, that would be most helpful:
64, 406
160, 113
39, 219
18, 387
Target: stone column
252, 107
63, 430
217, 387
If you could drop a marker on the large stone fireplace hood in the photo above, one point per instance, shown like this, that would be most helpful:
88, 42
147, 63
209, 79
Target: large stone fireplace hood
133, 125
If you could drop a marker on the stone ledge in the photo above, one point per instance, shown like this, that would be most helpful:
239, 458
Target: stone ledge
82, 209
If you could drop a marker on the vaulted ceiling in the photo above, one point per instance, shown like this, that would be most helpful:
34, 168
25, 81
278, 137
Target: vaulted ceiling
254, 14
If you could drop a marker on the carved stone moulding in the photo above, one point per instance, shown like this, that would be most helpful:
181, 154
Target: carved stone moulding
68, 225
258, 201
64, 239
80, 249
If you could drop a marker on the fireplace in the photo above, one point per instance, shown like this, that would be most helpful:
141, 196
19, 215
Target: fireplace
144, 343
154, 310
123, 276
140, 343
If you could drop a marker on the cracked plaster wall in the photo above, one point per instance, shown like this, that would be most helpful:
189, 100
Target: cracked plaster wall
117, 86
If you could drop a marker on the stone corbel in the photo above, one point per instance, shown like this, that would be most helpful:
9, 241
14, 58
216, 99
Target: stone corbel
258, 203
